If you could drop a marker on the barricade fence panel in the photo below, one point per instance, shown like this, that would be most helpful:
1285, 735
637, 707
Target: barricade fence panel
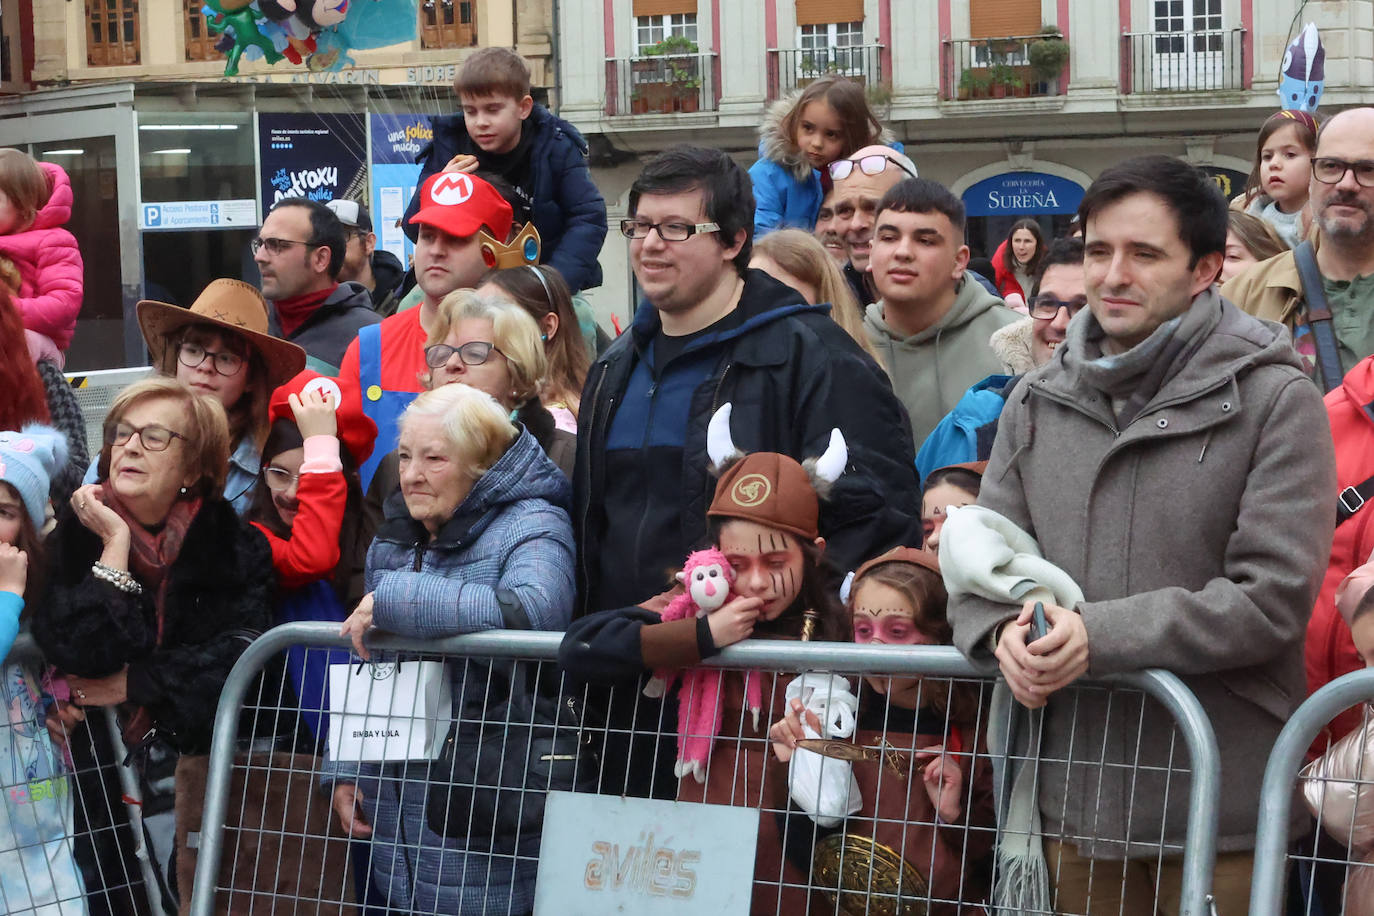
419, 782
1320, 774
71, 824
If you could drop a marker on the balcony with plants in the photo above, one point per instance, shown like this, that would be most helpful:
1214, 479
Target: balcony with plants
1015, 66
794, 68
670, 77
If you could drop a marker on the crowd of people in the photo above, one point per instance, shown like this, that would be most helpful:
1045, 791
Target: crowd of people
1123, 429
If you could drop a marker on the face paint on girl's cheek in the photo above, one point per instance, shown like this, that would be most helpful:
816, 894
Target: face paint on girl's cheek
887, 626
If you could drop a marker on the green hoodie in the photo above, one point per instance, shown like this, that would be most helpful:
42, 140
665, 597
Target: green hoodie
931, 370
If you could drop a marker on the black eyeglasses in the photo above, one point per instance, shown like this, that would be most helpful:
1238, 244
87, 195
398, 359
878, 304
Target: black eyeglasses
1329, 170
669, 232
875, 164
191, 355
154, 438
278, 246
472, 353
1046, 307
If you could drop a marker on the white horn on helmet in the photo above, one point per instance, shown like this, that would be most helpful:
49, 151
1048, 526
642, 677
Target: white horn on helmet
720, 448
831, 464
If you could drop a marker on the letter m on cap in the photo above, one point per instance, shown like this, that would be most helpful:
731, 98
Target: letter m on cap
451, 189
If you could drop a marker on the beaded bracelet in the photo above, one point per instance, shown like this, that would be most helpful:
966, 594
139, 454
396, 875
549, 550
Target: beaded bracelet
119, 578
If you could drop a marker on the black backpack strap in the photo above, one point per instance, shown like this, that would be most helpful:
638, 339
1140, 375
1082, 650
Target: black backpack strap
1318, 315
1352, 500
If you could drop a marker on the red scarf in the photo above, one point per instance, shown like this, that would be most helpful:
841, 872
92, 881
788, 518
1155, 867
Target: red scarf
152, 555
293, 312
150, 558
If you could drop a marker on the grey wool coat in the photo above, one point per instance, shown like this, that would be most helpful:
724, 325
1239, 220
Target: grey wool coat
1199, 535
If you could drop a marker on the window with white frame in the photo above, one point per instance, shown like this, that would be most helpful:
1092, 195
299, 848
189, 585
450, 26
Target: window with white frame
1199, 20
830, 48
650, 30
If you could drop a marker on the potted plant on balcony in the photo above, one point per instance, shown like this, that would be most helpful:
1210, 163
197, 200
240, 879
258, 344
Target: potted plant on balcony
1002, 78
1048, 55
686, 91
974, 85
663, 94
673, 45
638, 103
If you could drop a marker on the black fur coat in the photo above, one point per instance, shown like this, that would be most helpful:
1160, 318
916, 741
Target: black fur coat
219, 598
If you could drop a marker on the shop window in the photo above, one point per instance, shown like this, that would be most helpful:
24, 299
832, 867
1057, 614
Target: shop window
448, 23
650, 30
200, 41
112, 32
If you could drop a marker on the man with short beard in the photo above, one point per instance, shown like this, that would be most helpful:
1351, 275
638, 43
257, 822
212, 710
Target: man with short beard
1341, 196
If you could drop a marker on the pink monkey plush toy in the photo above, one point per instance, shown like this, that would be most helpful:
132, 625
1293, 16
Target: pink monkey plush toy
708, 577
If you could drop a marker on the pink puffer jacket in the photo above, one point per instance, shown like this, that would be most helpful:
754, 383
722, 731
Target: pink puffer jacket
1337, 787
49, 263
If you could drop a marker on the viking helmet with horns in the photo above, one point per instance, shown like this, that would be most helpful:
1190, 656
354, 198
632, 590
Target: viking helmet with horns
770, 488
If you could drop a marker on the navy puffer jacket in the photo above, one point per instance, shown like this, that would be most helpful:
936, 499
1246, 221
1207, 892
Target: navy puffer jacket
568, 210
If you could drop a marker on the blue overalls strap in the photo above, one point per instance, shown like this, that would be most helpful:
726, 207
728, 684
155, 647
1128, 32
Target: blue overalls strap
384, 407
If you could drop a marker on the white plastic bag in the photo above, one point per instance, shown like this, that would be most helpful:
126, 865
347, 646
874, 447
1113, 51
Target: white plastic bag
824, 787
388, 711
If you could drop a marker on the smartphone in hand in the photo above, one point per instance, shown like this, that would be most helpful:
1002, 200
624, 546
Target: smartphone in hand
1039, 625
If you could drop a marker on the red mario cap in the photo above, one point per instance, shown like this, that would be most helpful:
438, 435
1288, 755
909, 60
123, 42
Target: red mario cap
461, 204
357, 431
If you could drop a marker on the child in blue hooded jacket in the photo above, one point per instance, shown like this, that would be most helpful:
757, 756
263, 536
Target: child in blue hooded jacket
801, 134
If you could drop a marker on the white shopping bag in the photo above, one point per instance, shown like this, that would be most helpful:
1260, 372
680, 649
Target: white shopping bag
824, 787
388, 711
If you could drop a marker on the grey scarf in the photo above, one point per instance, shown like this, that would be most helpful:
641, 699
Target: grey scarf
1133, 378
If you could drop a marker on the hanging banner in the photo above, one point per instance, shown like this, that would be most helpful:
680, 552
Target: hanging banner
1022, 194
316, 156
316, 36
396, 140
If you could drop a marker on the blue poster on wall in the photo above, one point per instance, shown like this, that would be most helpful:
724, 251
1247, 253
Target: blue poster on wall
1022, 194
319, 156
396, 139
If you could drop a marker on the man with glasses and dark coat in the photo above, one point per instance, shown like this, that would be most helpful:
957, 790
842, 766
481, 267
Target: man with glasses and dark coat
299, 252
709, 332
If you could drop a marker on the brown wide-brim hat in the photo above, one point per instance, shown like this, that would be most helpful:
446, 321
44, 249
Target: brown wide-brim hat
229, 305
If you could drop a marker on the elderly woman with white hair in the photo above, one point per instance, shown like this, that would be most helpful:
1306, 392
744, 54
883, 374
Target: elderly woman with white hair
479, 540
494, 346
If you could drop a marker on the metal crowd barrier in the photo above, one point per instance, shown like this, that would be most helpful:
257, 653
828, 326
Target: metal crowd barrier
1347, 867
894, 854
71, 829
